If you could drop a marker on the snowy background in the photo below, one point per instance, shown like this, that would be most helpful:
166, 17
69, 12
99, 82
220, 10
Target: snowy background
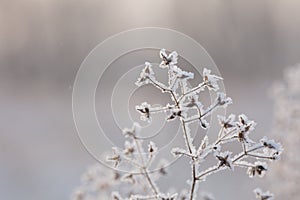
42, 44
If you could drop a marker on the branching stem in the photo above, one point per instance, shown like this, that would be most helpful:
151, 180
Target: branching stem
144, 168
191, 91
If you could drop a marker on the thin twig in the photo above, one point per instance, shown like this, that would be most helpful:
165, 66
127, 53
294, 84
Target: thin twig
191, 91
217, 167
225, 135
165, 90
201, 116
144, 169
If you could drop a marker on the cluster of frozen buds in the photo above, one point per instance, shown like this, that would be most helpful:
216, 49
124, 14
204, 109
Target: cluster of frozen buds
184, 102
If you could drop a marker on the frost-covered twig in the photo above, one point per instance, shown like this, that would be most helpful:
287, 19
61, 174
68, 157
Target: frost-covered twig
185, 100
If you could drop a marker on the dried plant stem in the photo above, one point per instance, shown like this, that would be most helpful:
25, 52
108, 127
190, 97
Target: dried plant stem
153, 187
246, 152
208, 171
193, 184
261, 156
183, 123
144, 170
165, 89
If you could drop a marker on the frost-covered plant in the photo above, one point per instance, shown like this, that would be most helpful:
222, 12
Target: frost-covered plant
140, 182
285, 176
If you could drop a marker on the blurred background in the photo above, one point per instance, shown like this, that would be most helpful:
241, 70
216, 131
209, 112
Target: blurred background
42, 44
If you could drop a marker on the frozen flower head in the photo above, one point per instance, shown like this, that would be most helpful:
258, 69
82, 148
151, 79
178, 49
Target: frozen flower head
144, 109
272, 148
263, 195
116, 157
225, 159
129, 149
203, 123
211, 80
175, 112
146, 75
259, 168
228, 122
222, 100
129, 178
168, 60
134, 131
245, 126
152, 149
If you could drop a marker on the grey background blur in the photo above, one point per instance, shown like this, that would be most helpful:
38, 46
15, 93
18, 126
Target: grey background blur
42, 44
